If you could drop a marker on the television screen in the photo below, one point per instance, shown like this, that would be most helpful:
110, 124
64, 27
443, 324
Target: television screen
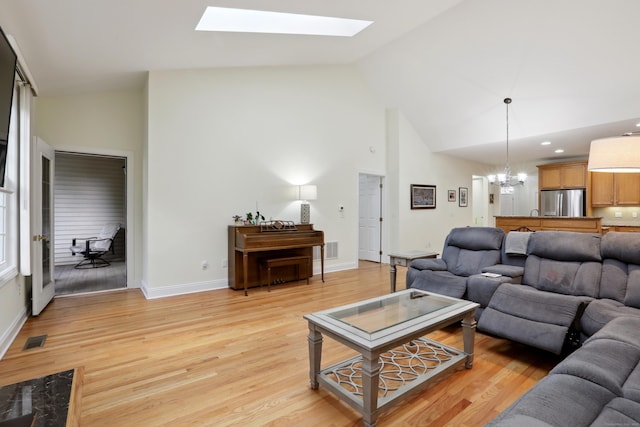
7, 79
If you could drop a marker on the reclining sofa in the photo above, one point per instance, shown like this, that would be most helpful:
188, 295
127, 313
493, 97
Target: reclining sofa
579, 294
466, 252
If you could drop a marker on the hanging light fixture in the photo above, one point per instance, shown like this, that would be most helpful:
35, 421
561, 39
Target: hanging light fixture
616, 154
505, 179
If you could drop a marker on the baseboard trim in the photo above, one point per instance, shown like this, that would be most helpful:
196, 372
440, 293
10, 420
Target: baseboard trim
182, 289
212, 285
336, 267
10, 335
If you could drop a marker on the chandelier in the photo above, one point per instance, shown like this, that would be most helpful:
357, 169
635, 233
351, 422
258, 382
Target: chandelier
505, 179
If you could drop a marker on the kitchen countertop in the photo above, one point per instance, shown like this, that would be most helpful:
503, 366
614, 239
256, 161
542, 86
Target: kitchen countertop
43, 401
610, 223
550, 217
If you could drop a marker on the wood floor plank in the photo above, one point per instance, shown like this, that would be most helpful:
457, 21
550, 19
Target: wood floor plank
222, 359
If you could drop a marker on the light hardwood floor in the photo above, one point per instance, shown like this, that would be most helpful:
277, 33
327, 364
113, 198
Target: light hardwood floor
222, 359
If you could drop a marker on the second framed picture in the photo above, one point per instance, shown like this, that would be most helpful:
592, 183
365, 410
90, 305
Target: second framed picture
463, 199
452, 195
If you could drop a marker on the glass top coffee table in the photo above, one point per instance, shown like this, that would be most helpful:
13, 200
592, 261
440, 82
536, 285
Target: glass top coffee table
395, 357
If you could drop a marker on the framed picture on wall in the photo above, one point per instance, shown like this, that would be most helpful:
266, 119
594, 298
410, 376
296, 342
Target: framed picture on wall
452, 195
423, 196
463, 201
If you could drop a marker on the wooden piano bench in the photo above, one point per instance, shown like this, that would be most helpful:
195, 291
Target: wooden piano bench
296, 261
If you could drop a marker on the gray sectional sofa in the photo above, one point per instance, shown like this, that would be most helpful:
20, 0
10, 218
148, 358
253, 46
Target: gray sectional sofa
577, 294
597, 385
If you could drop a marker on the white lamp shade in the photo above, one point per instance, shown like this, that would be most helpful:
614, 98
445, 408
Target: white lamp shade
616, 154
307, 192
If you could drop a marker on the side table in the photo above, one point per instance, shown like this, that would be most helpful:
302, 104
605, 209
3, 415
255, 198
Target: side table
404, 259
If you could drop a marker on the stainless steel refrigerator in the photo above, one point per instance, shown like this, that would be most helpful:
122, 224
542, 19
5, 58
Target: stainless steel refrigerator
562, 202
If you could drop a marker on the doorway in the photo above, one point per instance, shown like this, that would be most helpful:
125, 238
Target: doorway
89, 192
480, 200
370, 203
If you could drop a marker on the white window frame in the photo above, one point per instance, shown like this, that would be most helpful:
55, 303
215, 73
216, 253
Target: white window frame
9, 265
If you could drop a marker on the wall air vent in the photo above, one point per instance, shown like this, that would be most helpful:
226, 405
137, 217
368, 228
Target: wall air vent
330, 251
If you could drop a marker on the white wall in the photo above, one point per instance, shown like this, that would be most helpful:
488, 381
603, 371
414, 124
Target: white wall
411, 162
210, 144
225, 141
14, 306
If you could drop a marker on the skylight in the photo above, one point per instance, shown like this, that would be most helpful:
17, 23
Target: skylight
257, 21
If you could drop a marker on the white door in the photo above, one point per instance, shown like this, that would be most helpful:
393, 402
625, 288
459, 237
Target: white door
43, 286
480, 196
370, 216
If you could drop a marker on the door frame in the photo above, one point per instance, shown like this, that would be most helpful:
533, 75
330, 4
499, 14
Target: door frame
384, 257
129, 214
480, 201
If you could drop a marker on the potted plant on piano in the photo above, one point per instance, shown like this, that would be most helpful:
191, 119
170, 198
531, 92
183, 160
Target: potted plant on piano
251, 220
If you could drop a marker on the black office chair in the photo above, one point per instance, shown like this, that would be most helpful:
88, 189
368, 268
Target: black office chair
95, 247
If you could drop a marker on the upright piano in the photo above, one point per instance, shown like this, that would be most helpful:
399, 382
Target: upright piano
248, 245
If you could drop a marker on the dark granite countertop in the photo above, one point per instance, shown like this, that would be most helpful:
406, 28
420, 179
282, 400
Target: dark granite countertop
45, 398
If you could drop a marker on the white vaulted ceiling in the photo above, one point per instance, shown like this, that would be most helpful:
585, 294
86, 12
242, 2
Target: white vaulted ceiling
570, 66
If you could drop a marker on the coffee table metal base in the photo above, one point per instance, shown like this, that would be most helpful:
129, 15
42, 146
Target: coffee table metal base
401, 370
374, 381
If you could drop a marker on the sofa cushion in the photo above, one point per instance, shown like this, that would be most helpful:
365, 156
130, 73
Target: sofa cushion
632, 296
623, 328
564, 277
480, 289
476, 238
537, 334
599, 312
526, 315
606, 362
565, 246
619, 412
471, 262
631, 388
528, 303
440, 282
429, 264
557, 400
613, 284
621, 246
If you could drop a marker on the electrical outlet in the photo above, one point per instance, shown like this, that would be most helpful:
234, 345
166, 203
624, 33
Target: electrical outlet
205, 265
634, 214
618, 214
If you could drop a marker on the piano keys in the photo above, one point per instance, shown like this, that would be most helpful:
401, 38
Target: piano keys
249, 244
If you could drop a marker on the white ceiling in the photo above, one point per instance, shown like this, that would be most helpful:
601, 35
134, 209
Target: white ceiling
570, 66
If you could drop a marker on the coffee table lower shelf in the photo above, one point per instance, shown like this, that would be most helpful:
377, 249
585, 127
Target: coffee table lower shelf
403, 370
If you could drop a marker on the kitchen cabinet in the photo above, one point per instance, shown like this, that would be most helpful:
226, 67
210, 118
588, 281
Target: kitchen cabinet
558, 176
615, 189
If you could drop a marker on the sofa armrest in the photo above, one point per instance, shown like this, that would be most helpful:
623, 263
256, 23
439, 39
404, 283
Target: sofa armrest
429, 264
505, 270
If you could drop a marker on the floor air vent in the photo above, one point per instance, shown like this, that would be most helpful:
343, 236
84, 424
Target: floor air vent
34, 342
330, 251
